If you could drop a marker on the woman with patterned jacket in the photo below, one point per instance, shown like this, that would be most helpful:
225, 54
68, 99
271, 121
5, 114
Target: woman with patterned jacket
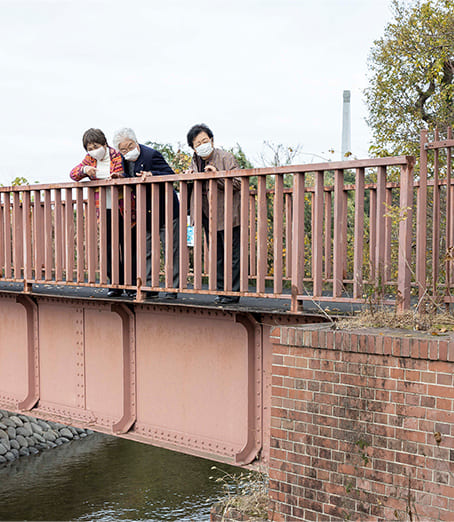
104, 162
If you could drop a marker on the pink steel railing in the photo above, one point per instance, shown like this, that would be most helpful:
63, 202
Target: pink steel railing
300, 238
435, 218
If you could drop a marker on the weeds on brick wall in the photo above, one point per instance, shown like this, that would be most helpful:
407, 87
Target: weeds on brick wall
246, 492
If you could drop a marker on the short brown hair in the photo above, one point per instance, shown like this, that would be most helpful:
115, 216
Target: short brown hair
93, 136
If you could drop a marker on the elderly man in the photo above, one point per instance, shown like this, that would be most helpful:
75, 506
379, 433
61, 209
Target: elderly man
209, 159
140, 160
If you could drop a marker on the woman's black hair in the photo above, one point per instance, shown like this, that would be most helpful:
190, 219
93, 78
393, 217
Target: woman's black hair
93, 136
195, 130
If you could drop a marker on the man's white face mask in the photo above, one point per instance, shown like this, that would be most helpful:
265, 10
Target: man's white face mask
132, 155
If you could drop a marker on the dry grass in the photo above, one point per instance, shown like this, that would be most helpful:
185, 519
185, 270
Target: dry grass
434, 322
246, 493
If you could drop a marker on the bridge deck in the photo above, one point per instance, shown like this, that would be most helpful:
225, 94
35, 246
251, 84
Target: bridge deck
247, 304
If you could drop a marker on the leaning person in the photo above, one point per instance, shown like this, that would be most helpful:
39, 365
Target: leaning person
208, 159
140, 160
103, 162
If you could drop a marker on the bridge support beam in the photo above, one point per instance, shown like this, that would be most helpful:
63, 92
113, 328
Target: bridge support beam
31, 311
129, 369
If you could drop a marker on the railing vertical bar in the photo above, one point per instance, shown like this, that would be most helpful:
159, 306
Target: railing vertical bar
228, 235
212, 227
58, 235
17, 236
38, 234
288, 235
317, 234
298, 233
127, 233
449, 214
405, 228
7, 233
253, 236
183, 235
80, 276
278, 226
141, 230
344, 233
328, 234
155, 240
436, 220
380, 227
262, 229
103, 235
2, 239
27, 235
114, 237
91, 236
388, 231
198, 234
48, 240
359, 235
372, 233
168, 264
421, 218
339, 217
244, 235
69, 235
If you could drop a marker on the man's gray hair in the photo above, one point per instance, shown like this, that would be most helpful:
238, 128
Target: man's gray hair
122, 134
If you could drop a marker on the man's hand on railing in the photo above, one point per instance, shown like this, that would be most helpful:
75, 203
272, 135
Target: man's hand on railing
117, 175
210, 168
145, 174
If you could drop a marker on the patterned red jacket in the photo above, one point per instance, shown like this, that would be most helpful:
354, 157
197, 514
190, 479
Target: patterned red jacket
116, 167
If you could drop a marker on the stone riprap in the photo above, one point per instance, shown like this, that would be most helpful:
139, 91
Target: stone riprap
22, 435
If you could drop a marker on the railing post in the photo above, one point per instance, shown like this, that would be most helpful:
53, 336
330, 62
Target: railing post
436, 220
141, 226
405, 229
244, 234
278, 210
421, 218
359, 235
380, 230
317, 234
339, 218
262, 230
297, 237
449, 215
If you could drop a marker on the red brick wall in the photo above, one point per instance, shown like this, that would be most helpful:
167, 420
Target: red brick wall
362, 426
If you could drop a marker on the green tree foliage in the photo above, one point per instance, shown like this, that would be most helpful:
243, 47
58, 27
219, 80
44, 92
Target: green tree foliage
412, 67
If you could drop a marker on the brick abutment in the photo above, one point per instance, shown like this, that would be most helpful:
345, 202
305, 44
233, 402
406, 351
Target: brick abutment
361, 425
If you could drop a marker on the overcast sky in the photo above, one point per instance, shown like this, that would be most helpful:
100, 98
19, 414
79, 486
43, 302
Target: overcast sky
253, 70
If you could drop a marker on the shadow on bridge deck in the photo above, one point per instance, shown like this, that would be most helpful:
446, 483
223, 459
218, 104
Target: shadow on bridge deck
259, 305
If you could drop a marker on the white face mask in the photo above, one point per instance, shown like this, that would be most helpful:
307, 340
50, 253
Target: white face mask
132, 155
98, 154
204, 150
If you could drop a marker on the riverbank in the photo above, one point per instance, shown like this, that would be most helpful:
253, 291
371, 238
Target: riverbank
23, 435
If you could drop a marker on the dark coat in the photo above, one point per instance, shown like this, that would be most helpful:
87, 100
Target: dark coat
150, 160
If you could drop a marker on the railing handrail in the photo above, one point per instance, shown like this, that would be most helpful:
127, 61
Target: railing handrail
222, 174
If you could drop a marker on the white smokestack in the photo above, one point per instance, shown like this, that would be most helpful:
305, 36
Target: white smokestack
346, 126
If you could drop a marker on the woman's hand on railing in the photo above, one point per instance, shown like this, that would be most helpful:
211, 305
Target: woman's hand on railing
117, 175
90, 171
189, 171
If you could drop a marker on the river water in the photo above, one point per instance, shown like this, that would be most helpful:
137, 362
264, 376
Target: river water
107, 478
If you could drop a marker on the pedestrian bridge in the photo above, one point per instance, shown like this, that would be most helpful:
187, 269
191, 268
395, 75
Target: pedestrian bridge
186, 374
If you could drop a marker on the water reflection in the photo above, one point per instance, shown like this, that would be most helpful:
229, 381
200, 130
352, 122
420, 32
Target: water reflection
106, 478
